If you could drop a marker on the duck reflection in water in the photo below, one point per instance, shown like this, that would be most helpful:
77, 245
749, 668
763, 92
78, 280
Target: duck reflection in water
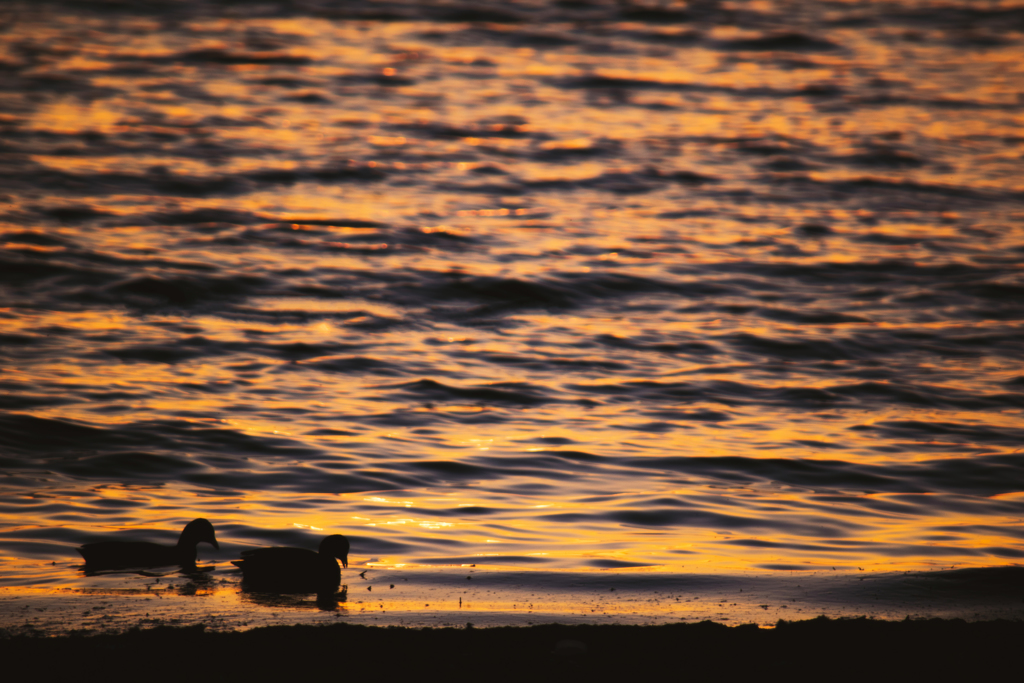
296, 570
140, 554
325, 602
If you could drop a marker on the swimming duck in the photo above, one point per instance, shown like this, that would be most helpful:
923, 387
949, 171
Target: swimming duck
295, 570
130, 554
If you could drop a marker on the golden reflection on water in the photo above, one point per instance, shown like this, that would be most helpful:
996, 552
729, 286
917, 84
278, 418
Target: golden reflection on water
531, 235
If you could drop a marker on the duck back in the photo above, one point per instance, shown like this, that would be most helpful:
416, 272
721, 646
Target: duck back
131, 554
289, 570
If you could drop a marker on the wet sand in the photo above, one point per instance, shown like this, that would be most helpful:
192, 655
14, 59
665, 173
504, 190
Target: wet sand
492, 598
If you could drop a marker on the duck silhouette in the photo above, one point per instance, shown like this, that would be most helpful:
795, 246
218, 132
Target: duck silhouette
132, 554
295, 570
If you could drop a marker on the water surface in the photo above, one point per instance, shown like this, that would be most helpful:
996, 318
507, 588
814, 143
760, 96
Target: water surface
590, 286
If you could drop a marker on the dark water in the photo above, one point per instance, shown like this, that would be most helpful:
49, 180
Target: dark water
584, 285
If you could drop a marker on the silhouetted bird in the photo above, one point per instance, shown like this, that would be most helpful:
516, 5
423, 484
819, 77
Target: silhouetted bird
295, 570
131, 554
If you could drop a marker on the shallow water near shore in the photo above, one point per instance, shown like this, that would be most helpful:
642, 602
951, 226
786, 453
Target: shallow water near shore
444, 597
543, 290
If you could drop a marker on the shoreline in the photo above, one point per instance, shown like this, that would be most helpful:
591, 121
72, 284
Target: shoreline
451, 597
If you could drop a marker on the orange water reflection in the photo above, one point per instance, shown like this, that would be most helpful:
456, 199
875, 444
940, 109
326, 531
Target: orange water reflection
696, 220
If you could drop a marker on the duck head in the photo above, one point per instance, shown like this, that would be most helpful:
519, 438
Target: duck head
335, 546
198, 531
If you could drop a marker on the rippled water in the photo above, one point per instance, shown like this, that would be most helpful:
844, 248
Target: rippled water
583, 285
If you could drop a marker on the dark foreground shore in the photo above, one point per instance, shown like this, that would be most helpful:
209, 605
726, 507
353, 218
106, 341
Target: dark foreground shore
822, 647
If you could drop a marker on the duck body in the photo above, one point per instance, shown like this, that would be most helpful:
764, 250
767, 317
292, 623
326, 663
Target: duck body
134, 554
295, 570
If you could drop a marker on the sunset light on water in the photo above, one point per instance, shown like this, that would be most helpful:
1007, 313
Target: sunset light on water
553, 292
